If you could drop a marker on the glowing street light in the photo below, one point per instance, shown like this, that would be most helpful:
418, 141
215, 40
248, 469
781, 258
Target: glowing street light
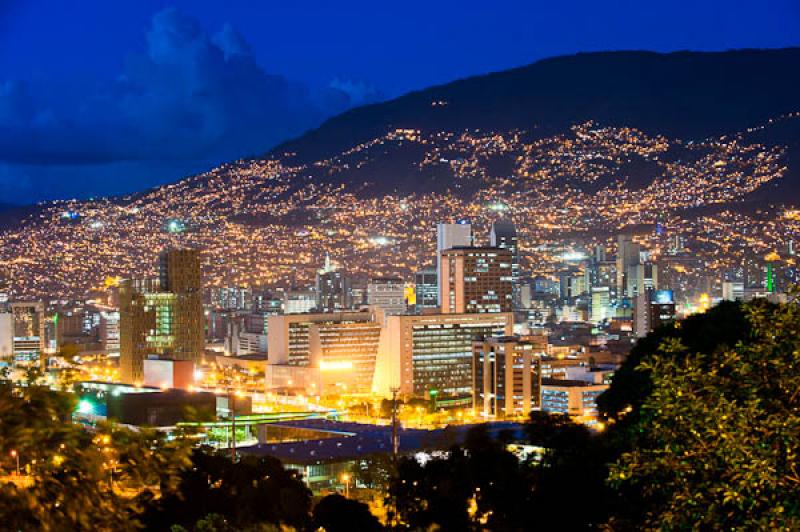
14, 454
346, 480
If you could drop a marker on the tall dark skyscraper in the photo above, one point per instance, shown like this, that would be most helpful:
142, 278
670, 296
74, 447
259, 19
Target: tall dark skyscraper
504, 235
426, 288
164, 317
333, 288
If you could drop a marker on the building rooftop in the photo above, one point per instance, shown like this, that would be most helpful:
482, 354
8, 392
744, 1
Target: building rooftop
356, 440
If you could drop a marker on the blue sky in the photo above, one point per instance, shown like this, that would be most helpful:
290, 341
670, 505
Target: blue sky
100, 97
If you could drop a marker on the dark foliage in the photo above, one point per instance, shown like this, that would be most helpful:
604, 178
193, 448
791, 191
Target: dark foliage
249, 492
335, 513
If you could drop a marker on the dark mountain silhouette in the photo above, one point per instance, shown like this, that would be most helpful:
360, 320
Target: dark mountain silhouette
688, 95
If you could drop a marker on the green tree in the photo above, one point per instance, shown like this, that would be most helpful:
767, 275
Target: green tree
248, 493
336, 513
719, 435
478, 485
77, 479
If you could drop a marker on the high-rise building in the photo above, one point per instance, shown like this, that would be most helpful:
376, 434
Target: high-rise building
426, 289
506, 376
333, 288
162, 318
576, 398
733, 291
504, 235
387, 293
628, 254
640, 278
651, 310
5, 294
109, 332
28, 330
320, 351
475, 280
6, 337
449, 236
299, 301
231, 298
432, 353
600, 304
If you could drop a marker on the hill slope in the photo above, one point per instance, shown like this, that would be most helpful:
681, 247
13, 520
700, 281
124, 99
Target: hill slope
689, 95
572, 149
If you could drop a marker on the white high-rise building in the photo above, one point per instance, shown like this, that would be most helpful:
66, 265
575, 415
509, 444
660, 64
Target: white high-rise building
387, 293
449, 236
6, 336
600, 310
733, 290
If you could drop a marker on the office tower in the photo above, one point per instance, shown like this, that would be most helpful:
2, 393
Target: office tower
356, 297
504, 235
299, 301
426, 289
449, 236
231, 298
628, 254
576, 398
525, 295
109, 332
264, 301
475, 280
641, 277
6, 337
162, 319
733, 290
432, 353
28, 333
600, 304
506, 376
651, 310
572, 284
676, 244
387, 293
5, 294
318, 350
333, 288
345, 354
599, 254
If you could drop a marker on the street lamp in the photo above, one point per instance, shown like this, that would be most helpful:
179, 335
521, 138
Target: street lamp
14, 454
346, 480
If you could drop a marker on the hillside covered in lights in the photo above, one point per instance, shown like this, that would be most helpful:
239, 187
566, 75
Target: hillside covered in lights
572, 149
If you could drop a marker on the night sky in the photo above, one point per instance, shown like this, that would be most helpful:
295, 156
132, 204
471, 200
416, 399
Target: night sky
100, 99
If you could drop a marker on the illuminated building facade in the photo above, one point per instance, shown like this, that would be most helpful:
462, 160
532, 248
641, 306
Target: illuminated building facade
333, 288
433, 353
504, 235
476, 280
320, 351
506, 376
387, 293
651, 310
576, 398
628, 254
449, 236
426, 289
600, 304
27, 322
345, 354
164, 317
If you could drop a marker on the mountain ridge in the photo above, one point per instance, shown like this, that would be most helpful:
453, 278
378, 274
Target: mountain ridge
614, 92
